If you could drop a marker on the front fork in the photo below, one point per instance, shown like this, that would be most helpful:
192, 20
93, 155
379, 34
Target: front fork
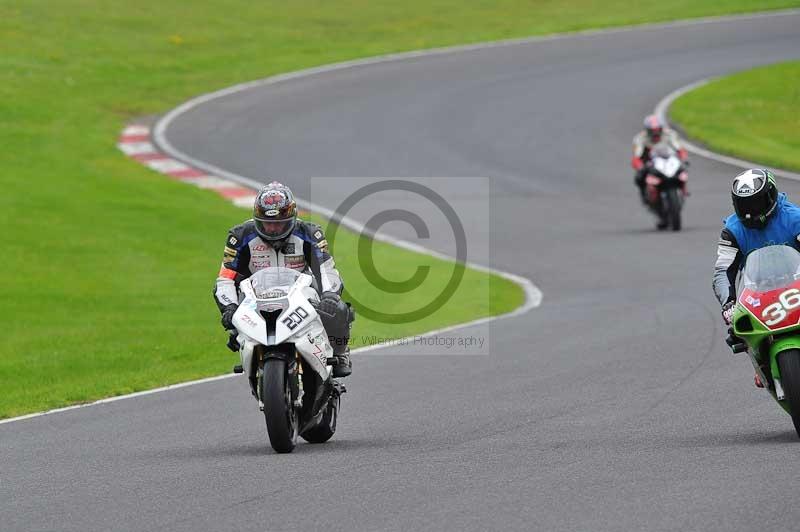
654, 192
759, 371
772, 349
294, 372
777, 347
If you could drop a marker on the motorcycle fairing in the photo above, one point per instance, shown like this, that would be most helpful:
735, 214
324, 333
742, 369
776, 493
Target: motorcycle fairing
768, 308
298, 324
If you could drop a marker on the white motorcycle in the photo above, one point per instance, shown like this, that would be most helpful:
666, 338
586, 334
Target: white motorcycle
287, 357
666, 186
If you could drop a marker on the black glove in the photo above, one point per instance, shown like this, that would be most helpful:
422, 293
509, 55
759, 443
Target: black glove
329, 303
227, 317
727, 311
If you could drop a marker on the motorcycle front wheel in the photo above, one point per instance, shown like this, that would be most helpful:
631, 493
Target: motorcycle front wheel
279, 412
674, 209
789, 364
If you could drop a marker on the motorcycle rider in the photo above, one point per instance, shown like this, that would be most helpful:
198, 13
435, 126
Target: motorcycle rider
763, 216
655, 132
276, 237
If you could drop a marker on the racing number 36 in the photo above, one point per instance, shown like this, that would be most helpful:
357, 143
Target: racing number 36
776, 312
295, 318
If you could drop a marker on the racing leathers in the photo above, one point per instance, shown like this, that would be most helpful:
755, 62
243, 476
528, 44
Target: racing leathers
305, 249
643, 145
737, 241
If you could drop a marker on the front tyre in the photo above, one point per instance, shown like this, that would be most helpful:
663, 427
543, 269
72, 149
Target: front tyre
674, 209
279, 413
789, 364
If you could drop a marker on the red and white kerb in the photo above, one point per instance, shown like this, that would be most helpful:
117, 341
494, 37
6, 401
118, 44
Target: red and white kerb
135, 142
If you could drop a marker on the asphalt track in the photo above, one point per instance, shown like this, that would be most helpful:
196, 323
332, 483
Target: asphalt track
613, 406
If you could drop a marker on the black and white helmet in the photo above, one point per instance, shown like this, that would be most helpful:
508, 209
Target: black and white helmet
755, 196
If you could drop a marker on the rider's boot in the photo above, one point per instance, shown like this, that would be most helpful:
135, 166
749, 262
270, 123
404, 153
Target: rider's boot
343, 366
757, 381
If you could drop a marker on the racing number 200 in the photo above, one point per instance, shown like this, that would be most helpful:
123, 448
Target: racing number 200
776, 312
296, 317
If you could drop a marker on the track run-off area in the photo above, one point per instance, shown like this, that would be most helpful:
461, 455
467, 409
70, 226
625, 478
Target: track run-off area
615, 405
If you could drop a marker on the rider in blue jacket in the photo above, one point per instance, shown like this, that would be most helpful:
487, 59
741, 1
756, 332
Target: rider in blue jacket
763, 217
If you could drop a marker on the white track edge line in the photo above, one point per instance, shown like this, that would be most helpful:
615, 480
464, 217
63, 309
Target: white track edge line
533, 298
115, 398
532, 293
662, 111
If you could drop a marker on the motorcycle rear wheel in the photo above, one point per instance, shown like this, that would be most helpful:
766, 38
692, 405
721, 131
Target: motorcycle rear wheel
279, 412
789, 364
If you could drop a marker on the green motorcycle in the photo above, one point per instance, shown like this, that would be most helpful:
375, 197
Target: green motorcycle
766, 322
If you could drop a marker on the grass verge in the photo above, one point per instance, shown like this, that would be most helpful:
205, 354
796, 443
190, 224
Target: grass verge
110, 270
754, 115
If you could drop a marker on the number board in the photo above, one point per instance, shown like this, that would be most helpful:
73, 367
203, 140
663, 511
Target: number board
776, 309
295, 318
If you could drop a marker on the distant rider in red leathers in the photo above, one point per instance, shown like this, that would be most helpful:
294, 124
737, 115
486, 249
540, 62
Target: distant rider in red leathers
655, 132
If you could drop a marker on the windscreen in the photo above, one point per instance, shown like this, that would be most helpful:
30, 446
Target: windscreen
271, 283
770, 268
665, 160
662, 150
